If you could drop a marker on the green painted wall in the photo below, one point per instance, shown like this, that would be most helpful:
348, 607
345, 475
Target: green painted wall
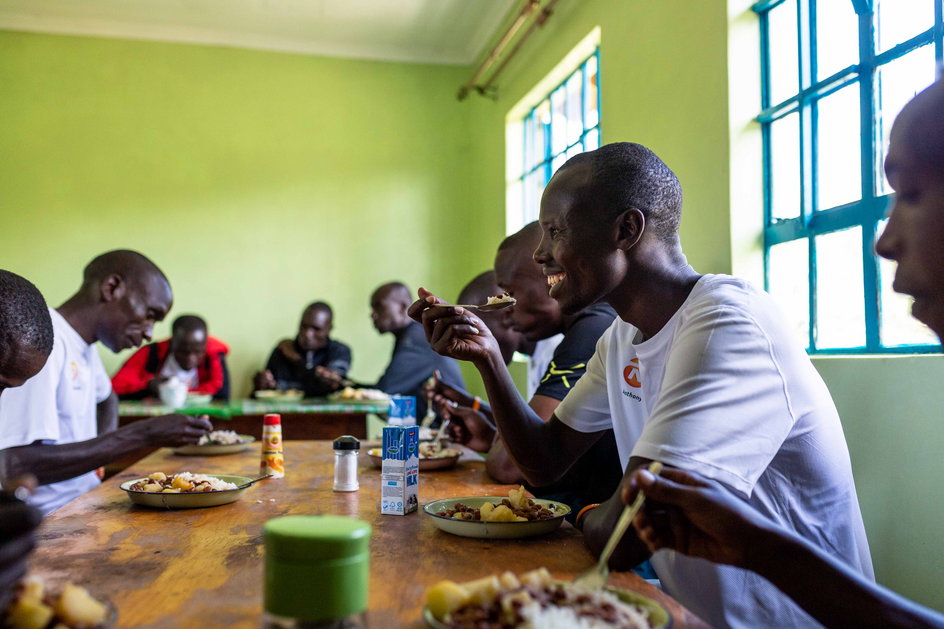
258, 181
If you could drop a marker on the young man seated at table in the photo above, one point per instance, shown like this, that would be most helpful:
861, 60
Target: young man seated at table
698, 371
596, 475
190, 355
709, 521
61, 425
26, 339
413, 361
312, 362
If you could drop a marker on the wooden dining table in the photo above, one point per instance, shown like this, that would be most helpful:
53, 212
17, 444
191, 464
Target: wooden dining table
204, 567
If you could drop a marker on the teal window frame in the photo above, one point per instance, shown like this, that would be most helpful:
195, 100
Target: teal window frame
871, 208
544, 166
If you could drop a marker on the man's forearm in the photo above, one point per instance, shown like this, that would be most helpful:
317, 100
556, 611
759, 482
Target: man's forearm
51, 463
523, 431
833, 593
107, 414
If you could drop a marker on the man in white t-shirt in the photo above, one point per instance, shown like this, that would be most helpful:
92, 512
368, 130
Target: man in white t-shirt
698, 372
26, 339
61, 425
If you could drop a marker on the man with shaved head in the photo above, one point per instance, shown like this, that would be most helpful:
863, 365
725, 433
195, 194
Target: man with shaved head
61, 425
26, 339
698, 372
412, 361
709, 522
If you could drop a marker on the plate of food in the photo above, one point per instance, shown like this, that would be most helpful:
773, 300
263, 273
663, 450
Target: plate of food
217, 442
33, 605
536, 599
497, 518
432, 457
352, 394
186, 490
275, 395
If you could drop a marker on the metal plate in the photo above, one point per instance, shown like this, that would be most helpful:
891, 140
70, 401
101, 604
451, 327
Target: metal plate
493, 530
216, 449
187, 500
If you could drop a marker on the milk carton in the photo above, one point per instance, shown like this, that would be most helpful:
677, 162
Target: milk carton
400, 471
402, 410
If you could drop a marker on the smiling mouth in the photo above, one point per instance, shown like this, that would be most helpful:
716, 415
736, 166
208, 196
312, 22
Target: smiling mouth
553, 280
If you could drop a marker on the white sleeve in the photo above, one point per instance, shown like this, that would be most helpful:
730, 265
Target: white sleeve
102, 382
723, 411
586, 407
28, 413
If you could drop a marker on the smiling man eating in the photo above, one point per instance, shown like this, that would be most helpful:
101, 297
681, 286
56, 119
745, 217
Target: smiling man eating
61, 425
698, 371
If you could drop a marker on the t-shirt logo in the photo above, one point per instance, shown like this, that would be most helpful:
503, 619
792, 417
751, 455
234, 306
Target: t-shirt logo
631, 374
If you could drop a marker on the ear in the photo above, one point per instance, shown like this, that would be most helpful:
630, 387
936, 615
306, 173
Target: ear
112, 288
630, 226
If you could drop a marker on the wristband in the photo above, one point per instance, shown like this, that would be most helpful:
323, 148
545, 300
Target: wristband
587, 509
476, 403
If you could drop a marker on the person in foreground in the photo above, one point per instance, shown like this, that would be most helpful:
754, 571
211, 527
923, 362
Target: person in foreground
697, 371
62, 424
26, 339
312, 362
189, 355
705, 520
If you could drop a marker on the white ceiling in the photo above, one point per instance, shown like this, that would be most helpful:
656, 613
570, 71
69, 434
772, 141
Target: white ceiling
420, 31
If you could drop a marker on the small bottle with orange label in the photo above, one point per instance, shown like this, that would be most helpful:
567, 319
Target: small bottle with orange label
272, 462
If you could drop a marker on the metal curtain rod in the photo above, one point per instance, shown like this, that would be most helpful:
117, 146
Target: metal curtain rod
539, 21
529, 7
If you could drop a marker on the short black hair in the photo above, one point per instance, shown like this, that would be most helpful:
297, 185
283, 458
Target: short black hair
319, 305
397, 290
24, 317
529, 235
133, 266
188, 323
625, 175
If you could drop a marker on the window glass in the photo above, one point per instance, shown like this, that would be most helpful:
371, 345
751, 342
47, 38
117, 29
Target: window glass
839, 161
837, 37
782, 35
840, 316
897, 21
785, 167
788, 284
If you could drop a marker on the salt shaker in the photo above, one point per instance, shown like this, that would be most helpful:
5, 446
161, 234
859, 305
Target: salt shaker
345, 463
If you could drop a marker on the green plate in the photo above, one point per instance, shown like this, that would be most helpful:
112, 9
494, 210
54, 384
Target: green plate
187, 501
216, 449
493, 530
659, 617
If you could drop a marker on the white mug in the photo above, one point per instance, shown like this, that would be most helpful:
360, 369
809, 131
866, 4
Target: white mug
173, 393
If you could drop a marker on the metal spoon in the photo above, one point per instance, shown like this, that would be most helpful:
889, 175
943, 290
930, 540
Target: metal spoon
498, 305
253, 481
595, 578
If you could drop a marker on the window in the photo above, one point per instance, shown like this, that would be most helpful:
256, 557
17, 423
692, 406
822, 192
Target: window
834, 75
565, 122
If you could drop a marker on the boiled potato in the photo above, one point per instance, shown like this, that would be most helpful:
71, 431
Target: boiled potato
501, 513
33, 588
486, 510
157, 476
517, 497
77, 607
180, 483
28, 613
483, 590
151, 487
445, 597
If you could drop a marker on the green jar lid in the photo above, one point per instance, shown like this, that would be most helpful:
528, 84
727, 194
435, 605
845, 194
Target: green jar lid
316, 566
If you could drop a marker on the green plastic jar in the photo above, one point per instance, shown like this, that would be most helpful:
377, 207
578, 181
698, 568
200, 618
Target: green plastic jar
316, 570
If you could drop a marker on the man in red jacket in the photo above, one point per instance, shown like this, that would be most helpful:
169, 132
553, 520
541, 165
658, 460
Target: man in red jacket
190, 355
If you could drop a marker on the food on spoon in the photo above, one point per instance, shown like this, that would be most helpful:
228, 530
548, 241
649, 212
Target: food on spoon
35, 608
531, 601
220, 438
515, 508
500, 299
185, 482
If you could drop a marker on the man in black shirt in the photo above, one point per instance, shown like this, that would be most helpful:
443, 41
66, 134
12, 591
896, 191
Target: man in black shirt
413, 361
312, 361
537, 316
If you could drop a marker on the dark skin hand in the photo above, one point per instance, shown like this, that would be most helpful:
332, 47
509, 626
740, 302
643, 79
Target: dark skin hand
154, 385
18, 520
705, 520
51, 463
264, 381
